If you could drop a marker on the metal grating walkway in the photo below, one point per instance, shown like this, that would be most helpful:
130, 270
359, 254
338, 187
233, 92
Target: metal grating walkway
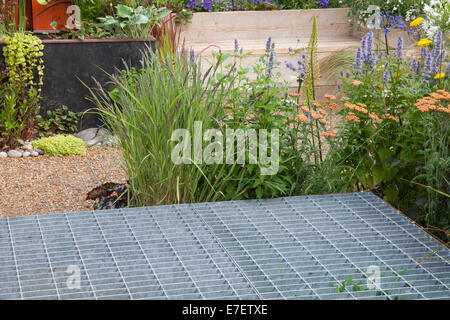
286, 248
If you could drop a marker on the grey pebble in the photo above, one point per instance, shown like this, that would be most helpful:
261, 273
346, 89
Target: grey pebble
14, 153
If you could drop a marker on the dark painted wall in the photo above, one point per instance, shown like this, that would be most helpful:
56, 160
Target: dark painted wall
67, 60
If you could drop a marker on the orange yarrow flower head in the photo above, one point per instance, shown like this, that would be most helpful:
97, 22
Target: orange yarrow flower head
426, 104
442, 109
349, 105
315, 115
302, 118
305, 108
332, 106
356, 83
391, 117
316, 104
328, 134
361, 108
329, 97
444, 94
352, 117
374, 117
436, 96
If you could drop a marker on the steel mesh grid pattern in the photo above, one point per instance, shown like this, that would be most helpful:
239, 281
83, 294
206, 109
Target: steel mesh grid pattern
286, 248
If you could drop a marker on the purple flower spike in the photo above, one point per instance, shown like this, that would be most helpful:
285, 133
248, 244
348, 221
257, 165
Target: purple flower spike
399, 54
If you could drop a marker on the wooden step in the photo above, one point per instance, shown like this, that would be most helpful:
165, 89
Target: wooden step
210, 32
248, 25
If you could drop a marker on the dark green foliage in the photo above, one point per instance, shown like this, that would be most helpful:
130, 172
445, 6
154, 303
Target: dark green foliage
61, 120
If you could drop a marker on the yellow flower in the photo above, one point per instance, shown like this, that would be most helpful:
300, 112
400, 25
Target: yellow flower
416, 22
424, 42
439, 76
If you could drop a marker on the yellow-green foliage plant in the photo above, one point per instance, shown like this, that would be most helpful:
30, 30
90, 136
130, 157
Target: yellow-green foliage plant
20, 88
61, 145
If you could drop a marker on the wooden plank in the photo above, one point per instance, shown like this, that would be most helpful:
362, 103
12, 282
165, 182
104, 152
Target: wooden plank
255, 32
245, 18
257, 48
261, 24
211, 31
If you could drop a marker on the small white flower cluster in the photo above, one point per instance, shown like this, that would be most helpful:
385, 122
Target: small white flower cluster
411, 15
368, 8
436, 11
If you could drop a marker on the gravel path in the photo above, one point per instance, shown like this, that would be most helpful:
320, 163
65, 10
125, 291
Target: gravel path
42, 185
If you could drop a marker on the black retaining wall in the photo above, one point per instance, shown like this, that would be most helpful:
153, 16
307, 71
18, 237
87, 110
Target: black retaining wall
69, 61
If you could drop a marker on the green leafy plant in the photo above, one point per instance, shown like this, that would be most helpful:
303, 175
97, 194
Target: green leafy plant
60, 145
21, 82
252, 103
349, 282
61, 120
395, 127
133, 22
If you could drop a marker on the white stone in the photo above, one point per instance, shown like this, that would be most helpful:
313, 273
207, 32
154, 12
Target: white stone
93, 142
92, 134
34, 153
3, 155
26, 154
14, 153
27, 147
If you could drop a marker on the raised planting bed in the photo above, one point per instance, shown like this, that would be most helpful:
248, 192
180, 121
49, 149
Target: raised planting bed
70, 63
285, 27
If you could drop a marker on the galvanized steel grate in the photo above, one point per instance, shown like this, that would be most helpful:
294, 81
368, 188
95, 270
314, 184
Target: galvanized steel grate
286, 248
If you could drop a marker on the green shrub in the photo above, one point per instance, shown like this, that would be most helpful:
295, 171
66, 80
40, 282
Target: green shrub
395, 129
59, 121
20, 89
60, 145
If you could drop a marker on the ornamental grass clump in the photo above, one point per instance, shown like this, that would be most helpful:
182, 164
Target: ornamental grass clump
167, 93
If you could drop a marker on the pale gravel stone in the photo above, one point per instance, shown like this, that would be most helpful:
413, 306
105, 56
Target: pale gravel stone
27, 147
92, 134
14, 153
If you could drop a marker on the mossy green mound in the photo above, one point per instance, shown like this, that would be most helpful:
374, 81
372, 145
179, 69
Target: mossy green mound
60, 145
